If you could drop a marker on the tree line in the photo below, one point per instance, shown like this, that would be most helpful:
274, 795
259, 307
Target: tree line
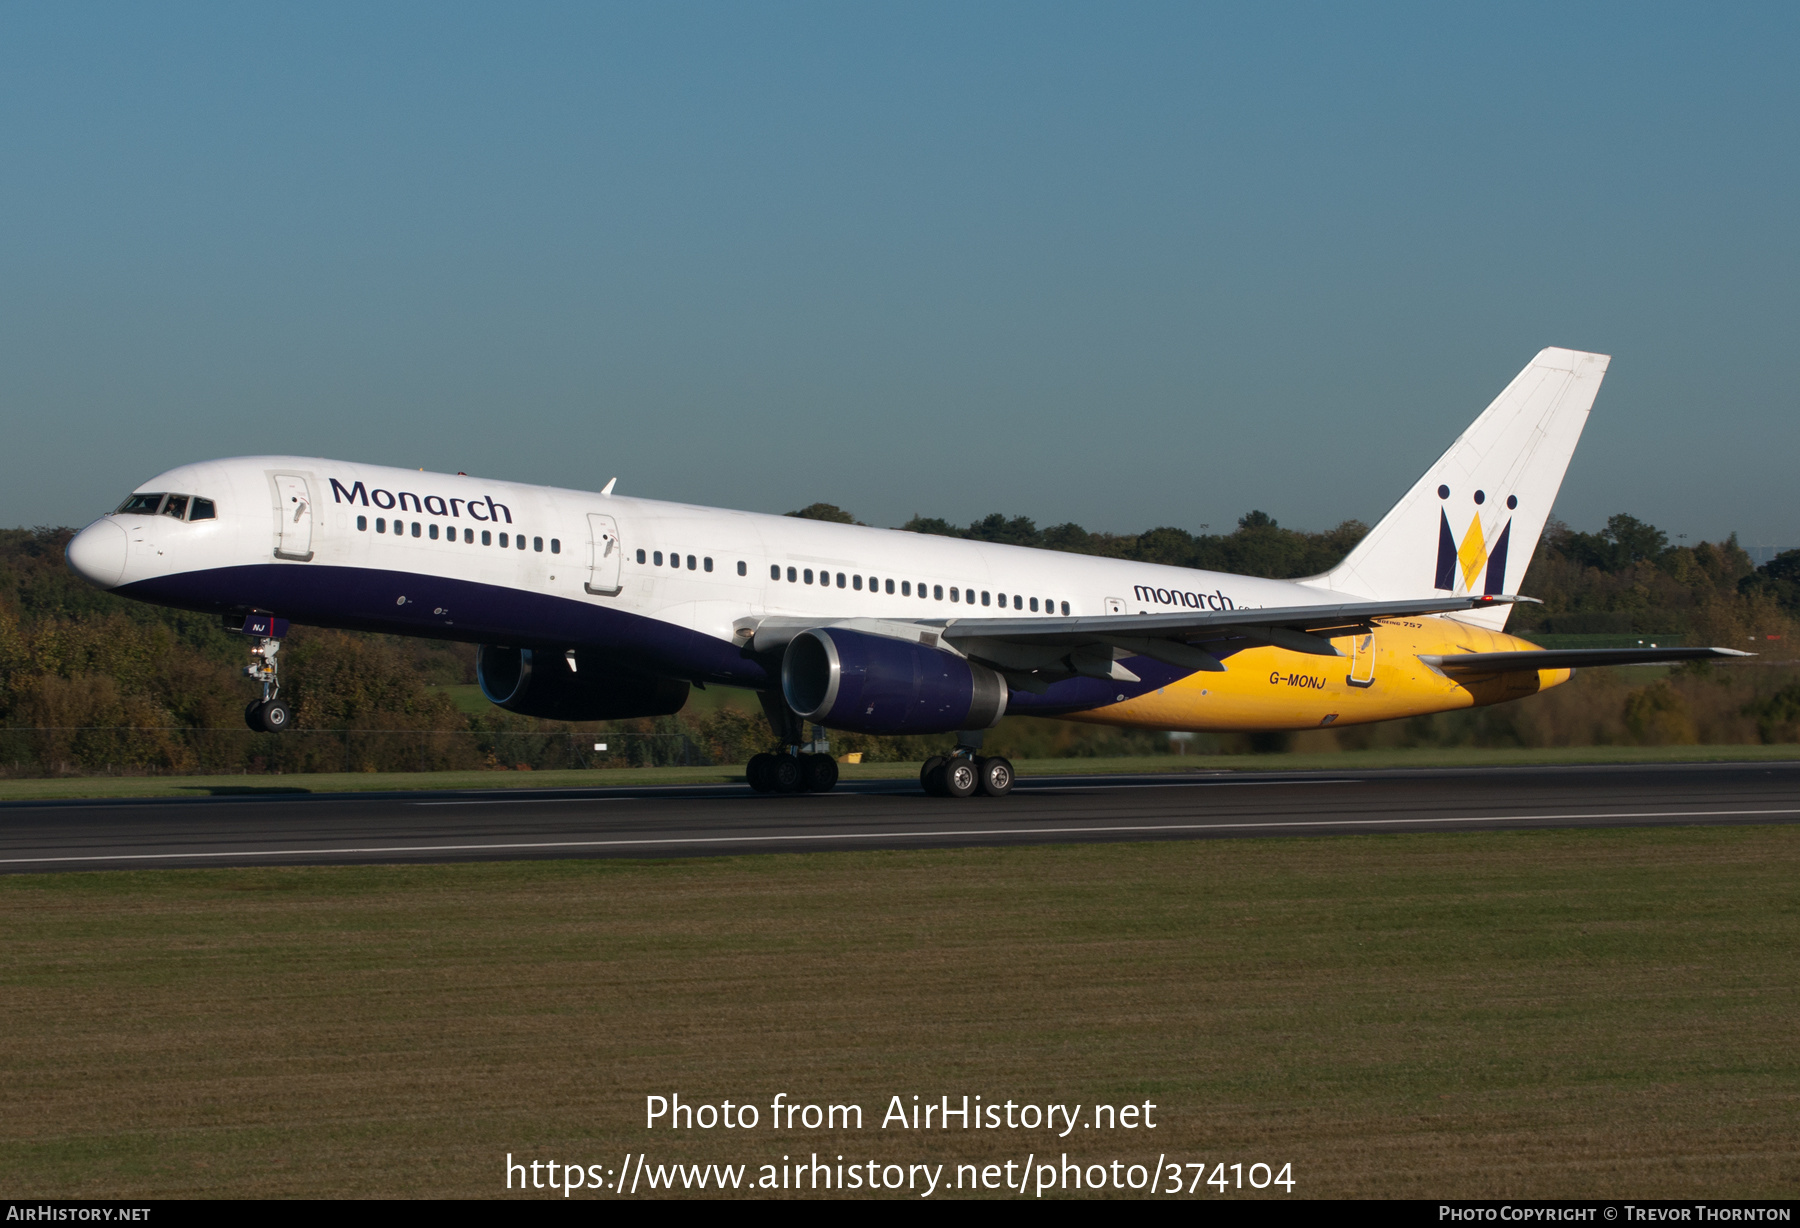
90, 681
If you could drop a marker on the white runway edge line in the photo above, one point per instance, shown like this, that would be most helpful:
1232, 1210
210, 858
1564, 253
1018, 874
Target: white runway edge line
922, 834
1154, 784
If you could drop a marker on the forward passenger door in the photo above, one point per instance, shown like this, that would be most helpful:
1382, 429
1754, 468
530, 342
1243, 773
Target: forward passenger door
605, 554
293, 517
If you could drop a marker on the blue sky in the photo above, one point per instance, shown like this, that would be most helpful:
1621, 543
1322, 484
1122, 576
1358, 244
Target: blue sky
1127, 265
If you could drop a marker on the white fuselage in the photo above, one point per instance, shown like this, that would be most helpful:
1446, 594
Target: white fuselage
667, 588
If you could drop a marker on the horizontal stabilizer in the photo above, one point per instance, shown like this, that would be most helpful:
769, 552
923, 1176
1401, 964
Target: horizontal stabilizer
1571, 658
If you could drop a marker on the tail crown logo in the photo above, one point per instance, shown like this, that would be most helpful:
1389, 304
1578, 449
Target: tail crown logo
1459, 568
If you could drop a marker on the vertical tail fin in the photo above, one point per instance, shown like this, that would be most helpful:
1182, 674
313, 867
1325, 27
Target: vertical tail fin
1485, 501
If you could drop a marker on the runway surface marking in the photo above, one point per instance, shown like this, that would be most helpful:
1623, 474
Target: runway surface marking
892, 835
907, 787
527, 801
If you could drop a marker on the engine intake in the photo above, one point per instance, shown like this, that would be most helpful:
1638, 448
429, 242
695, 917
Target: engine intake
544, 683
877, 684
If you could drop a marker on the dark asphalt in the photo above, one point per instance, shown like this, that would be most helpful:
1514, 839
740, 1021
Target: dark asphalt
290, 829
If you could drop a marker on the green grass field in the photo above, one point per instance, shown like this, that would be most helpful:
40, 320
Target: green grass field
365, 782
1573, 1013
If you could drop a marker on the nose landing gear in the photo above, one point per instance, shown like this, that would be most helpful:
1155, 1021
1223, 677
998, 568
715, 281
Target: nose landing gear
270, 714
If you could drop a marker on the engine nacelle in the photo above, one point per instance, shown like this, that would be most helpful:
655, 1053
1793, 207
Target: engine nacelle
876, 684
537, 682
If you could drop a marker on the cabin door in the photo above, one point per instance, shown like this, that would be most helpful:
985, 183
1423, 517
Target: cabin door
293, 517
605, 555
1362, 659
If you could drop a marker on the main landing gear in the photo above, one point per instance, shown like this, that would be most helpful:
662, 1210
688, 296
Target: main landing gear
798, 767
270, 714
964, 772
791, 772
960, 775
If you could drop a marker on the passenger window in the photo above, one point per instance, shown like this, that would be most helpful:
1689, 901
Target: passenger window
691, 566
706, 564
939, 590
640, 556
362, 524
434, 532
658, 557
176, 506
774, 571
504, 541
808, 574
468, 537
793, 576
856, 583
953, 595
519, 540
840, 579
487, 538
140, 505
203, 510
1034, 605
1019, 602
417, 531
537, 544
890, 586
381, 524
984, 598
905, 587
743, 568
1065, 607
555, 545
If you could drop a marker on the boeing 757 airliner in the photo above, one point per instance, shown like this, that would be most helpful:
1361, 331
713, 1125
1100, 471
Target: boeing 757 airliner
590, 606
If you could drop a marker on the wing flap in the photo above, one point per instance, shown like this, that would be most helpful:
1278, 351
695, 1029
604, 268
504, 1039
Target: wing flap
1339, 618
1293, 627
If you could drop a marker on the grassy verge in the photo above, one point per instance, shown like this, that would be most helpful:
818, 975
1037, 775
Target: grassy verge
367, 782
1577, 1013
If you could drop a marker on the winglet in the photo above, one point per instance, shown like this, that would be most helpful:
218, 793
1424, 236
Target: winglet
607, 489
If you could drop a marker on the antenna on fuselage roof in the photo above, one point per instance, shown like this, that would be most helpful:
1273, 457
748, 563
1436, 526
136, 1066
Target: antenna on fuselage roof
607, 489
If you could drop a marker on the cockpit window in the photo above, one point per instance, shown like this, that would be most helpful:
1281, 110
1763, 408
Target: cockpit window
176, 506
140, 505
202, 510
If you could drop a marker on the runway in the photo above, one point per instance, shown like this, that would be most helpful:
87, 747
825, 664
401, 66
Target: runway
665, 821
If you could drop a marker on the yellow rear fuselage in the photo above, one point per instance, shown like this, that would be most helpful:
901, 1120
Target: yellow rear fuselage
1379, 677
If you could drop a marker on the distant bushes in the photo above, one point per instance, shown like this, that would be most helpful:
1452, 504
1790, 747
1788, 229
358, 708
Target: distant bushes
90, 682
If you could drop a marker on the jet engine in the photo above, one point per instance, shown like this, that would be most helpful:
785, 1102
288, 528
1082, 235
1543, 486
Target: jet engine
574, 686
877, 684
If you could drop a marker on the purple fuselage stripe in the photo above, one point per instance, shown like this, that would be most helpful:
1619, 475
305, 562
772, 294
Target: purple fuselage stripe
367, 599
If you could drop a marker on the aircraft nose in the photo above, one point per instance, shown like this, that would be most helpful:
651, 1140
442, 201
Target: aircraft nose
97, 554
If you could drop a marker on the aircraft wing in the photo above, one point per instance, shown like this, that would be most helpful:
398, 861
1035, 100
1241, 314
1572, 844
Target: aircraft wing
1032, 652
1571, 658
